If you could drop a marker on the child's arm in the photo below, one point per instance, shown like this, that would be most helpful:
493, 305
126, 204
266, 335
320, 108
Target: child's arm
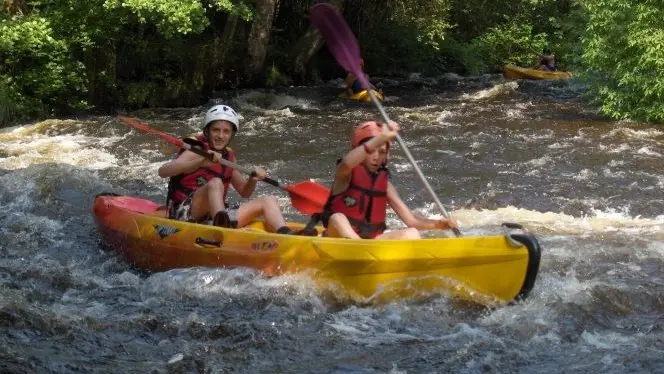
413, 220
187, 162
246, 187
357, 155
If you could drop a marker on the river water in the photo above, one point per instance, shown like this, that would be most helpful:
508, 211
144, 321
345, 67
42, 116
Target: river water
529, 152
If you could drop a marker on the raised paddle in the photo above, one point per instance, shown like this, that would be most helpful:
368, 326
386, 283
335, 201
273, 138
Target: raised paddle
307, 197
343, 45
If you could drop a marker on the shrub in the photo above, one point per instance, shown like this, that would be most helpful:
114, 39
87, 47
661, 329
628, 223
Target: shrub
37, 70
624, 57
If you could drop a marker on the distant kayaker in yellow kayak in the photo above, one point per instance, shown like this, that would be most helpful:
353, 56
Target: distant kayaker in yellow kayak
547, 61
353, 85
197, 187
362, 191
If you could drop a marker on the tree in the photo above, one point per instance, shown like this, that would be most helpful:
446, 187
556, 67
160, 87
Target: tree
624, 57
259, 37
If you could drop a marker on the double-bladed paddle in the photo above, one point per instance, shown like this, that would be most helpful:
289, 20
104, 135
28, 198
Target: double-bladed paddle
307, 197
343, 45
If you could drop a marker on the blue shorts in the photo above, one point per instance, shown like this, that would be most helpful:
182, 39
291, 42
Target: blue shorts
357, 86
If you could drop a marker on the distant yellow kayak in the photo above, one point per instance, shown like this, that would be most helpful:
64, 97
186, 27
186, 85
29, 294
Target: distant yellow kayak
515, 72
489, 270
362, 96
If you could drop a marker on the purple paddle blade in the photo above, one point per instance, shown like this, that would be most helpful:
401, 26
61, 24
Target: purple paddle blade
340, 39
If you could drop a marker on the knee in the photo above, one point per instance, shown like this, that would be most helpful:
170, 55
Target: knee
412, 233
215, 184
268, 201
337, 219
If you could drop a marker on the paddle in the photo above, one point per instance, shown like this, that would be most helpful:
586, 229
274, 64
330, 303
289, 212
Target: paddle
307, 197
343, 45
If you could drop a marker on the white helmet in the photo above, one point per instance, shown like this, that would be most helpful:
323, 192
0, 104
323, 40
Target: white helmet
221, 113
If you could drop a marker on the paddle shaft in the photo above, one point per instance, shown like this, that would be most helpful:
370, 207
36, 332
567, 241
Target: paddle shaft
307, 197
223, 161
298, 197
423, 179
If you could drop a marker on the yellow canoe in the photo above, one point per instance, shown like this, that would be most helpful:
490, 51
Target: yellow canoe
362, 96
515, 72
490, 270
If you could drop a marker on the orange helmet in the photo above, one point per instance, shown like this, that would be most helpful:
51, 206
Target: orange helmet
364, 131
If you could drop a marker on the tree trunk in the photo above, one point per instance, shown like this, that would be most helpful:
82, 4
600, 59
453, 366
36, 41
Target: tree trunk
224, 44
305, 48
221, 46
100, 64
308, 45
259, 37
13, 7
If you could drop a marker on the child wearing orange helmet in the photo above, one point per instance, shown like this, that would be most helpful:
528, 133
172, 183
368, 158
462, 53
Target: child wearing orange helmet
362, 191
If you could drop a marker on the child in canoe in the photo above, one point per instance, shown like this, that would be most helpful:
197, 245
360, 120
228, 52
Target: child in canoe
547, 61
361, 191
197, 187
353, 85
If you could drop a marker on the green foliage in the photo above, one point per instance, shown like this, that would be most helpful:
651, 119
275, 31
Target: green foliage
275, 77
427, 19
37, 69
474, 17
237, 8
511, 31
510, 43
464, 58
67, 53
403, 35
7, 106
170, 17
179, 17
624, 57
568, 49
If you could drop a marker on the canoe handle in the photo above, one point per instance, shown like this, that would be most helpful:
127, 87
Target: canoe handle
508, 228
203, 241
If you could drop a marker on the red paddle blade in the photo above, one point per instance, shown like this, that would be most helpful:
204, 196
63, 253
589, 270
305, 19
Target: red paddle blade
308, 197
340, 39
145, 128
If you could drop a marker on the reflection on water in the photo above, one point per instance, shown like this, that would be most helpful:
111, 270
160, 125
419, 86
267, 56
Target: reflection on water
494, 151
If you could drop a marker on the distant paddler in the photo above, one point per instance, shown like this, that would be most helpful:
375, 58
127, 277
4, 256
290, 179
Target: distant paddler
353, 84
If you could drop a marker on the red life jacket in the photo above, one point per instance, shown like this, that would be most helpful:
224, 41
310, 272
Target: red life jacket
183, 185
364, 202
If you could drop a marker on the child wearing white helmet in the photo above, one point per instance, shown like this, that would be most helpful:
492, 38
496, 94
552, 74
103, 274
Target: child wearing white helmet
198, 187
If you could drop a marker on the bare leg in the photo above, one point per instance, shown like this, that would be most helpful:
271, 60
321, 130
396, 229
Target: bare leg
208, 199
409, 233
339, 227
266, 206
